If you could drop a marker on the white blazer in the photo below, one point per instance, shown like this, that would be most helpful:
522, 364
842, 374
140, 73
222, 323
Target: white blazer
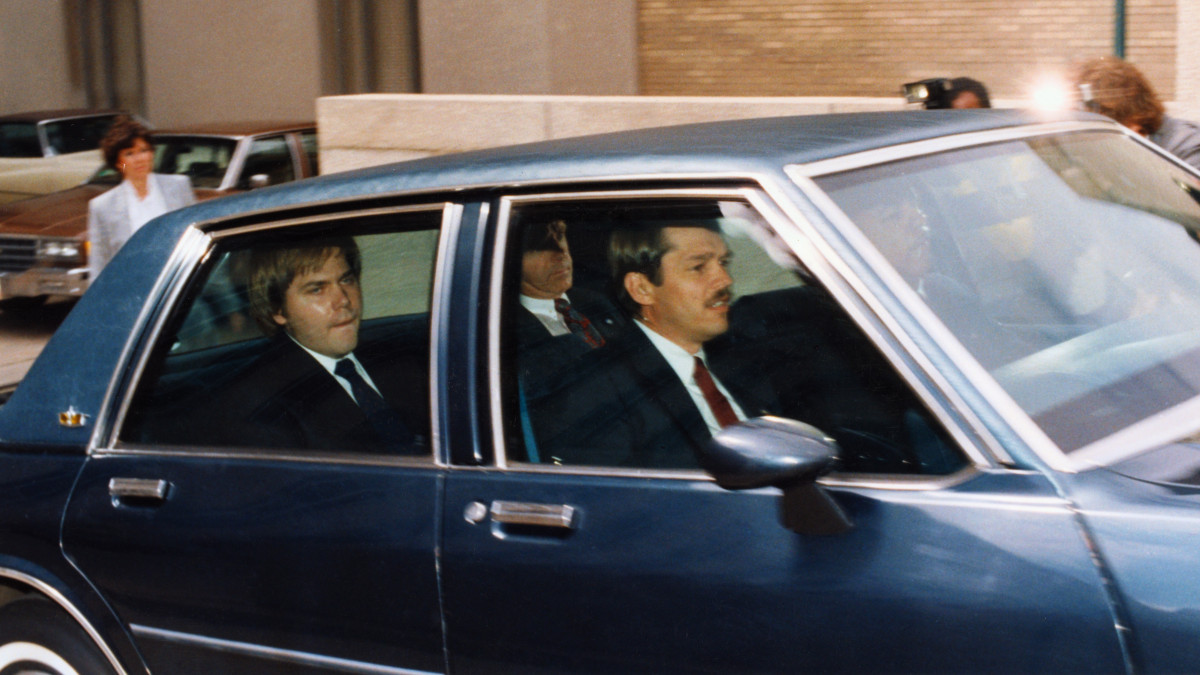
109, 224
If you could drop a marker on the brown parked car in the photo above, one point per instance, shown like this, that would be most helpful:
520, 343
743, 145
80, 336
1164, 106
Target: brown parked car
46, 151
43, 240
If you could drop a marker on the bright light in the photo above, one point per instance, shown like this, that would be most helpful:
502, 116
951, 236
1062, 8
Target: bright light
1052, 94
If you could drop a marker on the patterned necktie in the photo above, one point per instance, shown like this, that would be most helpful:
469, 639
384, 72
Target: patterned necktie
579, 323
717, 403
383, 419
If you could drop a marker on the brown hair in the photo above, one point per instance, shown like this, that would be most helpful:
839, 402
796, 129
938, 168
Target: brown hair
1120, 91
641, 250
121, 135
273, 268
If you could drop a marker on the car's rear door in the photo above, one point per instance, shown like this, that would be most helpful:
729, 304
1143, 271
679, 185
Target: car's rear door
952, 563
226, 555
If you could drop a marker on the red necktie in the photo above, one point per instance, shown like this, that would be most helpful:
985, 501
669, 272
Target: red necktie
717, 403
579, 323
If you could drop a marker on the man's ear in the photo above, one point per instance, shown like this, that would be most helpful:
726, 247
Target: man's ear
639, 288
279, 318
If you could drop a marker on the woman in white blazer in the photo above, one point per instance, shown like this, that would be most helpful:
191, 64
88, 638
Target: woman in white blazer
142, 195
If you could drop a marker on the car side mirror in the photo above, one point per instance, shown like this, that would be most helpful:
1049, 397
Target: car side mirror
782, 453
259, 180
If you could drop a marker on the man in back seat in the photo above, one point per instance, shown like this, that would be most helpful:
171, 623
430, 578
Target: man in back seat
310, 390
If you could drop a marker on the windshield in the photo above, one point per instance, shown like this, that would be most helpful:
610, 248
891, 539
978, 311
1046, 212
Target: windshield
1068, 265
19, 139
78, 134
203, 159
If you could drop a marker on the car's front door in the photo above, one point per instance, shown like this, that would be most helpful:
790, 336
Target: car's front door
244, 521
628, 562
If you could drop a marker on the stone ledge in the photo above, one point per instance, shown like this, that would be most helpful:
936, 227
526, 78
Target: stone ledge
370, 129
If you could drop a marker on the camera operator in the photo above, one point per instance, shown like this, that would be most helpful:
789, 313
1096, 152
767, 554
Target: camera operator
940, 93
1117, 89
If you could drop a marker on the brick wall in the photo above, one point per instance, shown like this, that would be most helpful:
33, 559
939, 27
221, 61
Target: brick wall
871, 47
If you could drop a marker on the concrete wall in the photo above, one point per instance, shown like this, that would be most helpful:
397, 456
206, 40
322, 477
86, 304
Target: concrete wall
529, 46
371, 129
34, 69
230, 60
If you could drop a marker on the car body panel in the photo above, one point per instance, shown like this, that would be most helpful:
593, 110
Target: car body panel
353, 563
994, 565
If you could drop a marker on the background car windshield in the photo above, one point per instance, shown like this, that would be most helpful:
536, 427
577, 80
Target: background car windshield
1068, 265
78, 134
19, 139
203, 159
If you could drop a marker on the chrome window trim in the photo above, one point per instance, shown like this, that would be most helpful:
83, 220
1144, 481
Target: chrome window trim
194, 247
448, 238
768, 203
933, 146
274, 654
61, 600
1020, 422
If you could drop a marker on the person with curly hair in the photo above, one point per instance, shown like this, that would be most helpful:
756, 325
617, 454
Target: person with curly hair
1117, 89
141, 196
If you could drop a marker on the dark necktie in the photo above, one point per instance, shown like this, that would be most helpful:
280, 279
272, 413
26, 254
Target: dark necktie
717, 403
579, 323
383, 419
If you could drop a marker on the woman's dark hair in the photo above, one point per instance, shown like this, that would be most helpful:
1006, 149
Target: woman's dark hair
121, 135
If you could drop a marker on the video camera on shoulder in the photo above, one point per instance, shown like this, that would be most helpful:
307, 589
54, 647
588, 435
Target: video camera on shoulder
934, 93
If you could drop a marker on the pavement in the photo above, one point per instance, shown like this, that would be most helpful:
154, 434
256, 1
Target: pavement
22, 336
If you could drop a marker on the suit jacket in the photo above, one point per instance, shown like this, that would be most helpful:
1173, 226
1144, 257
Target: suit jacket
109, 224
285, 399
544, 358
626, 407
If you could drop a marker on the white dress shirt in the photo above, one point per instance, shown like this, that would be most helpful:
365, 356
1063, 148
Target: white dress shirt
684, 366
329, 363
545, 312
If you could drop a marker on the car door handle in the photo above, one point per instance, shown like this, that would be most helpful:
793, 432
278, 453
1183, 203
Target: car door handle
536, 515
138, 491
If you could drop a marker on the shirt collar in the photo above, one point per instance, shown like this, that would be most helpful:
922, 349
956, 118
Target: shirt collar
541, 306
677, 357
328, 362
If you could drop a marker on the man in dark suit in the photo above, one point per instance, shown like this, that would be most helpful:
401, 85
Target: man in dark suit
553, 329
654, 397
313, 388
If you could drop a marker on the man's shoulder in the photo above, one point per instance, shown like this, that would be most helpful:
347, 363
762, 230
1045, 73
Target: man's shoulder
600, 309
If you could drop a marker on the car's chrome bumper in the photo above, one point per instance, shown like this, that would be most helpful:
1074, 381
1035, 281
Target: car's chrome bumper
43, 281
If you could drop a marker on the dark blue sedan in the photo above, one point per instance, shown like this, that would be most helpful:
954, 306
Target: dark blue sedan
904, 392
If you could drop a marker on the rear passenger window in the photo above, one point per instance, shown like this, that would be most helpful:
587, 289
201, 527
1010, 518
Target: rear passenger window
634, 330
300, 340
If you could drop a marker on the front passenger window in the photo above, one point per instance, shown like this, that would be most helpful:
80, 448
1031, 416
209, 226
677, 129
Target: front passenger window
636, 330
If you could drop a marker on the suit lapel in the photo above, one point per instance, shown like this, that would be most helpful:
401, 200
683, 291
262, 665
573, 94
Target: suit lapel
664, 388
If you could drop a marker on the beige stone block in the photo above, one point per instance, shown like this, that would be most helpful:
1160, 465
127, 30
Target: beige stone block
335, 160
431, 123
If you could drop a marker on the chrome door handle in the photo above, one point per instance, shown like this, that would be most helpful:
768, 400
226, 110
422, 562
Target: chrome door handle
138, 490
537, 515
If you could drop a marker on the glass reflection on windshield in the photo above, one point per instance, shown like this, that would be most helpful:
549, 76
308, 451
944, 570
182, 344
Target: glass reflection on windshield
1068, 265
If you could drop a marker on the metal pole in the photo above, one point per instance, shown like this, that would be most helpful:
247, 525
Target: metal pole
1119, 30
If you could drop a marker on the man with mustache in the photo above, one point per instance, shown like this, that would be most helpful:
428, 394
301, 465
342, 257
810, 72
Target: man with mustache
313, 388
654, 396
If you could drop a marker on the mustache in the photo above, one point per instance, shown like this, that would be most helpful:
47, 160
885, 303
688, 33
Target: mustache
724, 295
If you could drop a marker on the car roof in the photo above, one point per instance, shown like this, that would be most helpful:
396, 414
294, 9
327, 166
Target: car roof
44, 115
238, 128
734, 148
